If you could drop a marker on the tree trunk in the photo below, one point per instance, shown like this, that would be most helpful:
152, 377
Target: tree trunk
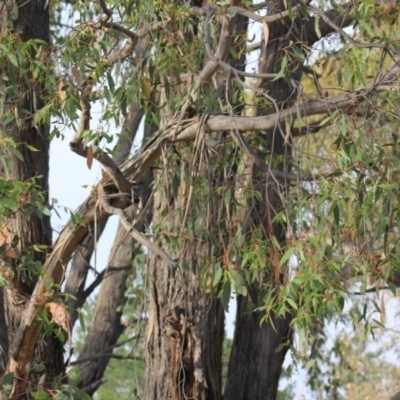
32, 22
186, 325
258, 350
106, 326
76, 280
185, 330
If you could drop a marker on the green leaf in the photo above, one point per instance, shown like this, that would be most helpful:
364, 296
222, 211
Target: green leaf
31, 148
292, 303
310, 363
39, 368
227, 197
7, 203
226, 295
7, 378
316, 27
288, 253
217, 277
111, 83
14, 13
13, 59
42, 395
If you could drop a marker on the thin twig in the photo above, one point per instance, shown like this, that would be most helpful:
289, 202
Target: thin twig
140, 238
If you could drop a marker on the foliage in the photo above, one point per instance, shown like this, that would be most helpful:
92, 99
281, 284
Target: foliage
336, 183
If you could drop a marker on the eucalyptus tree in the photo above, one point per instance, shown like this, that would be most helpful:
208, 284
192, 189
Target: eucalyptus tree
249, 182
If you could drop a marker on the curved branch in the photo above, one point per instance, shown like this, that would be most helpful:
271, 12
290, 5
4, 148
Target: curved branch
330, 22
72, 235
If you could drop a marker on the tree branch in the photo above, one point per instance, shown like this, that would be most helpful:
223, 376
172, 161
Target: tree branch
106, 355
269, 19
135, 234
72, 235
330, 18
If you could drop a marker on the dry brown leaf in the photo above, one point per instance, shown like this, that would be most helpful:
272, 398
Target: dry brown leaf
383, 311
105, 176
4, 236
11, 253
61, 93
75, 73
89, 157
146, 89
208, 285
275, 265
61, 317
266, 34
5, 244
100, 192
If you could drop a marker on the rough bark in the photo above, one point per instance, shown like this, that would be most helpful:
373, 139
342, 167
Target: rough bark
186, 326
258, 350
185, 330
32, 23
106, 327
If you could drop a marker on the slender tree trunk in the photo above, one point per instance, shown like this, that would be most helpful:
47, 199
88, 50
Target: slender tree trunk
106, 326
76, 280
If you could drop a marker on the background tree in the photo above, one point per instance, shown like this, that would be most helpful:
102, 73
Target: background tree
286, 198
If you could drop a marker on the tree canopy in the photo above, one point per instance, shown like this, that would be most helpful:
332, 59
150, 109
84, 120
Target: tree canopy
267, 173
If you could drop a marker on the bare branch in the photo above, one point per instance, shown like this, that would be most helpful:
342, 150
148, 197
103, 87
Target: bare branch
135, 234
77, 146
121, 29
94, 386
106, 355
123, 185
105, 9
335, 28
203, 11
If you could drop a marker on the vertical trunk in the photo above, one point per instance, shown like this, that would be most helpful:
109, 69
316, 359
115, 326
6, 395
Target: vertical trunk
186, 325
185, 329
76, 280
258, 351
32, 22
106, 326
185, 332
